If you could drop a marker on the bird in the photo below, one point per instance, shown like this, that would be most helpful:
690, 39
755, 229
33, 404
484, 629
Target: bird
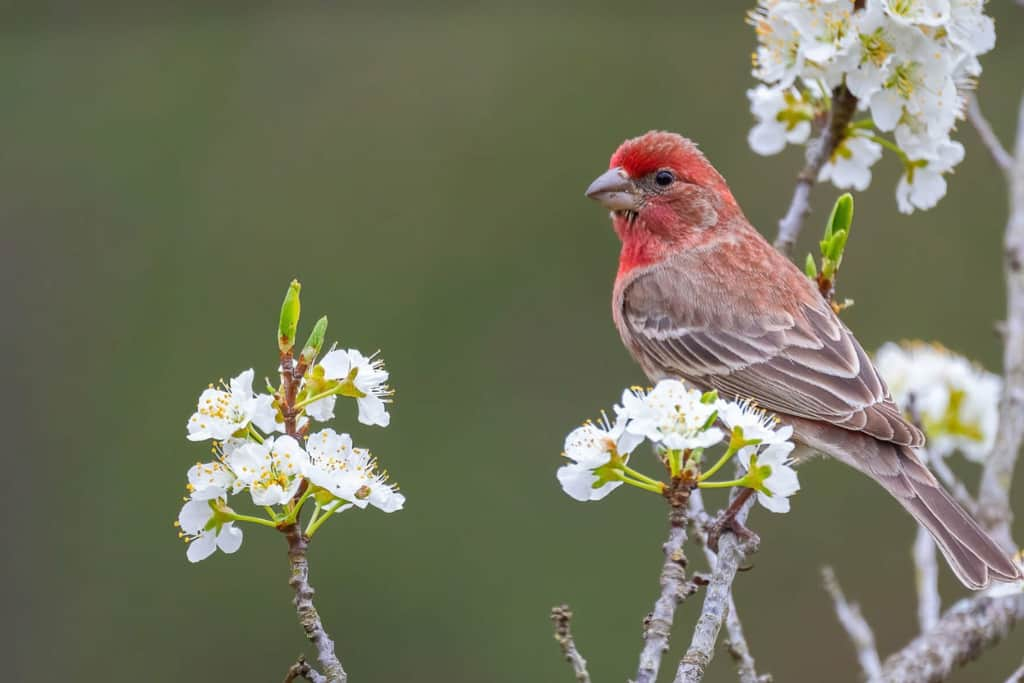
702, 297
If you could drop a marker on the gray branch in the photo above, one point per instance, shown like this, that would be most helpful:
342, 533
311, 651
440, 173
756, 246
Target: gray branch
674, 589
926, 577
302, 669
1017, 676
819, 151
739, 650
732, 550
856, 627
309, 618
562, 617
994, 492
965, 631
988, 136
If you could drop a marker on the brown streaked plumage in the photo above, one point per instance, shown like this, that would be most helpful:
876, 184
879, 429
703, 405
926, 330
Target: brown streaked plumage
701, 296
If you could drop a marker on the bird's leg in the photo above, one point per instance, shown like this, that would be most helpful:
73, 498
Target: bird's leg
726, 521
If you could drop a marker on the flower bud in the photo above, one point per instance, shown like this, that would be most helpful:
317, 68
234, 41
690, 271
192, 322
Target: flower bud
289, 318
315, 342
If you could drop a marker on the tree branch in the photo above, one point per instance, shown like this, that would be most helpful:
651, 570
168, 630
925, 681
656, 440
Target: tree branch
926, 576
309, 618
988, 136
732, 550
302, 669
994, 492
856, 627
674, 589
963, 633
562, 616
1017, 676
738, 648
819, 151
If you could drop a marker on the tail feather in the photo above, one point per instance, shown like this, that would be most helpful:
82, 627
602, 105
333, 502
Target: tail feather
973, 556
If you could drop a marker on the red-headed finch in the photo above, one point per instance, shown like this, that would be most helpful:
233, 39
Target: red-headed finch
701, 296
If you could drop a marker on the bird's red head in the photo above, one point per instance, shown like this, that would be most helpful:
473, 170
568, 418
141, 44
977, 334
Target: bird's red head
664, 196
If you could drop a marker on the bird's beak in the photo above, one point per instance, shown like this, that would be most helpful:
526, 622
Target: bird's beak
615, 190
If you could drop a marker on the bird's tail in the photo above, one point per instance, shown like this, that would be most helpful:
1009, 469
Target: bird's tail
971, 553
973, 556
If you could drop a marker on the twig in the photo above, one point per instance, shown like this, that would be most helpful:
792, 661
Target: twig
674, 589
1017, 676
926, 576
738, 648
819, 151
732, 550
994, 491
309, 618
963, 633
562, 616
856, 627
302, 669
988, 136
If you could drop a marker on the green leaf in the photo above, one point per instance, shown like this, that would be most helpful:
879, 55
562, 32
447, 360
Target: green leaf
315, 342
810, 267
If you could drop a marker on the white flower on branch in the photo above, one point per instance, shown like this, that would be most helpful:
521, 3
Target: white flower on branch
591, 448
909, 63
204, 532
222, 413
774, 478
671, 415
922, 185
782, 116
272, 470
367, 378
850, 165
955, 401
209, 480
349, 473
756, 424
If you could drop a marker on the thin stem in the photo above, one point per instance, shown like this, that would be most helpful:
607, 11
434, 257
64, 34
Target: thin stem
270, 511
293, 514
729, 453
988, 136
856, 627
257, 437
639, 475
316, 397
742, 481
328, 510
658, 488
255, 520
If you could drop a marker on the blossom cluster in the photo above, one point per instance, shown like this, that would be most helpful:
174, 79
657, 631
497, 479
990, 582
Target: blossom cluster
277, 461
682, 424
908, 63
954, 401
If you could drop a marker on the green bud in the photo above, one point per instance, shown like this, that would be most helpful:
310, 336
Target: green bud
841, 217
810, 267
315, 342
289, 318
709, 397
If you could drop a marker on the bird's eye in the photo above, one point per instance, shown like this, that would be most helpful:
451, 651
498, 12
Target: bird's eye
664, 178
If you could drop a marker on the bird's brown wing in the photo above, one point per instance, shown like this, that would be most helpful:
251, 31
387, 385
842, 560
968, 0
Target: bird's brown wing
803, 362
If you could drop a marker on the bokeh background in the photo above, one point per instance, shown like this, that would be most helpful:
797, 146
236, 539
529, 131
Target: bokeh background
166, 170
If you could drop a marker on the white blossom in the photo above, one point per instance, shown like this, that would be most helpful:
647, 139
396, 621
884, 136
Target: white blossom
349, 473
922, 186
209, 480
778, 480
670, 415
850, 165
591, 447
221, 413
194, 518
955, 401
368, 376
782, 117
272, 470
754, 422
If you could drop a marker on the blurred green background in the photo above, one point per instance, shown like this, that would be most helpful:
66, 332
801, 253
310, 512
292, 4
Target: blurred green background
167, 170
